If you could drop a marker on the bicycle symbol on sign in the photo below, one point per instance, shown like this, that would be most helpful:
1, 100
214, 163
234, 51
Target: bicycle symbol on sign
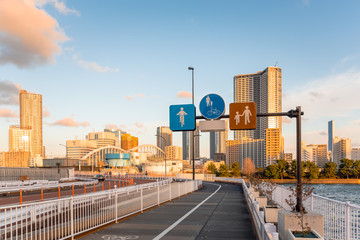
212, 111
115, 237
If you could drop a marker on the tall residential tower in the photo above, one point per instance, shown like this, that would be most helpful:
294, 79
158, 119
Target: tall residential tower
31, 118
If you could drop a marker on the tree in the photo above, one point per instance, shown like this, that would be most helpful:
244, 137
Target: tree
248, 167
311, 170
272, 171
356, 169
282, 167
329, 170
291, 171
212, 168
235, 169
224, 170
346, 168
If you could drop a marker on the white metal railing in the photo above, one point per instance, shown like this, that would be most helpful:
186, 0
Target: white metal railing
67, 217
342, 220
260, 225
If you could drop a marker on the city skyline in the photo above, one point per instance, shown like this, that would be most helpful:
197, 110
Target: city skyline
124, 68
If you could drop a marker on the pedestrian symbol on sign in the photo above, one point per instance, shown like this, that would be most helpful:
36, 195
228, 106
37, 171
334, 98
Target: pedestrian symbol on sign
248, 113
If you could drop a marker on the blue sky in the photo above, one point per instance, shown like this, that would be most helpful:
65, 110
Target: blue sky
122, 63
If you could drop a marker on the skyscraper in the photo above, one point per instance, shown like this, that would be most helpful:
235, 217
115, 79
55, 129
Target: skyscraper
331, 135
218, 141
265, 89
186, 143
20, 139
31, 117
128, 141
163, 137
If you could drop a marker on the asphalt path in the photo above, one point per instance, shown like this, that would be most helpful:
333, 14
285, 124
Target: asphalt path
217, 211
35, 196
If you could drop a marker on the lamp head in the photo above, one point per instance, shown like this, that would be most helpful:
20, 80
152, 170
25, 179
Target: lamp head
190, 68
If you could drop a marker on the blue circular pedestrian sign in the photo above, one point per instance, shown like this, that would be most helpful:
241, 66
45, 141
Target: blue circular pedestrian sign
212, 106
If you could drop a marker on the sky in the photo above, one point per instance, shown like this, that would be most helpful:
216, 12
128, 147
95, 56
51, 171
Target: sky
122, 63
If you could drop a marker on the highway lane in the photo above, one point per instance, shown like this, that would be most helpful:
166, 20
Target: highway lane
53, 194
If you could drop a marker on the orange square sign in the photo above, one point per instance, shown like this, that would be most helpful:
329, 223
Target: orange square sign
242, 116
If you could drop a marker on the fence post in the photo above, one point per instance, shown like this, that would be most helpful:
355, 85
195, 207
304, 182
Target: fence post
158, 192
347, 220
116, 205
20, 199
170, 192
311, 202
72, 216
142, 200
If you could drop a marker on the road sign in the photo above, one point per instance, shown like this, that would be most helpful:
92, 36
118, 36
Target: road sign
182, 117
242, 116
212, 106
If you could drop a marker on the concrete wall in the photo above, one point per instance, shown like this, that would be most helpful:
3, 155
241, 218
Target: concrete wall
52, 174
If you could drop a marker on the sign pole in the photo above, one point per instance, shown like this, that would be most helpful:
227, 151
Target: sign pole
299, 189
192, 157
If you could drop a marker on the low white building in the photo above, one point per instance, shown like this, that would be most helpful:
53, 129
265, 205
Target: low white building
172, 167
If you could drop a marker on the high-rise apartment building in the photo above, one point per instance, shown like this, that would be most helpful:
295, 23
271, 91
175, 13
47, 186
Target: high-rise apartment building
20, 139
163, 137
265, 89
173, 153
274, 143
128, 141
316, 153
341, 149
355, 154
288, 157
186, 148
331, 135
218, 141
239, 150
31, 117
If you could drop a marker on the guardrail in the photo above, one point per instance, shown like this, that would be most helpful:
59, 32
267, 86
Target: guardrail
68, 217
341, 219
258, 219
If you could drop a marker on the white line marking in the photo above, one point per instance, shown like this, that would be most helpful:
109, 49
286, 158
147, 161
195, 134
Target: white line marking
186, 215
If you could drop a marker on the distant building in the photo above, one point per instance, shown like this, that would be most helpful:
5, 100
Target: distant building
173, 153
274, 146
103, 139
316, 153
76, 149
341, 149
331, 135
163, 137
31, 118
128, 141
20, 139
355, 154
16, 159
239, 150
218, 157
118, 133
218, 141
186, 143
288, 157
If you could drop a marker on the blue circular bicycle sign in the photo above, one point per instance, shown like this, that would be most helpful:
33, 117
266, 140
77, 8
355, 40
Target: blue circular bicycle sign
212, 106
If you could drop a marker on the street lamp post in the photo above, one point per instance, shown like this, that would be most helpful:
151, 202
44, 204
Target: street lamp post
164, 148
192, 132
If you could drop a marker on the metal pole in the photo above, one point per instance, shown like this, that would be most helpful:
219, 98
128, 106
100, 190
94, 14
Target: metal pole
192, 132
299, 206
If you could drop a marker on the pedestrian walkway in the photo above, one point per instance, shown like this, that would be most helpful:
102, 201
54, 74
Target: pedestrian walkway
203, 214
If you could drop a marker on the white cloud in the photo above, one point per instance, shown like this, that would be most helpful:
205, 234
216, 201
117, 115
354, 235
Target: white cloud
332, 96
58, 4
28, 36
93, 66
9, 93
70, 122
